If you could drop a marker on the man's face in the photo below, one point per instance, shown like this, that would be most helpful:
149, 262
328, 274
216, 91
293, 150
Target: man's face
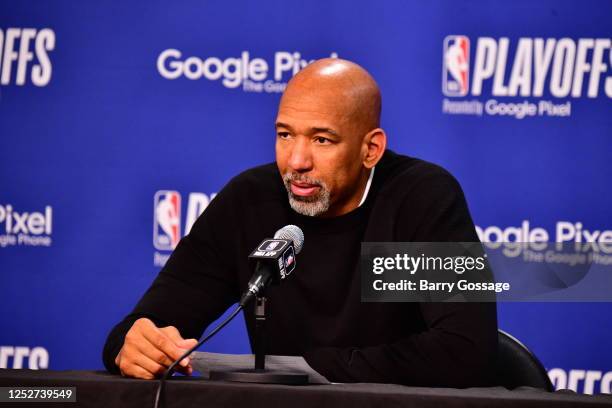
318, 151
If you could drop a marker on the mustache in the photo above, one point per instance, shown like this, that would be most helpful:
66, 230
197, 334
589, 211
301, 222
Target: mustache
301, 178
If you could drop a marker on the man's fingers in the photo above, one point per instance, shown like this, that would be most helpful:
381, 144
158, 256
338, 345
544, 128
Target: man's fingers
185, 370
156, 369
133, 370
187, 343
172, 332
151, 360
154, 353
175, 335
148, 351
184, 344
149, 365
161, 348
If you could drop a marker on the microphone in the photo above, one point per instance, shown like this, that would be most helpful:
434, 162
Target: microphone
275, 260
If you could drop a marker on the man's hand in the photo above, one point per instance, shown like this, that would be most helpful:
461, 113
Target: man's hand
148, 350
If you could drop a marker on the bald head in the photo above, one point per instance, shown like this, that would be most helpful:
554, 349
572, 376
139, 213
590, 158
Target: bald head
343, 85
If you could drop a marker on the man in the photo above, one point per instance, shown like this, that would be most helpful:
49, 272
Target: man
335, 180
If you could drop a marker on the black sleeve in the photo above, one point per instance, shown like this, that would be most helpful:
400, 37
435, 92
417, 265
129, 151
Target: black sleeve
197, 284
458, 346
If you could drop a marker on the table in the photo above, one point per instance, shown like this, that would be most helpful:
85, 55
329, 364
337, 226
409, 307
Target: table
100, 389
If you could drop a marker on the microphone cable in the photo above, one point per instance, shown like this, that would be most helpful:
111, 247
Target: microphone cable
169, 370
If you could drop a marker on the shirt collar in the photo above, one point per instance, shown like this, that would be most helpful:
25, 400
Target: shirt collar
367, 189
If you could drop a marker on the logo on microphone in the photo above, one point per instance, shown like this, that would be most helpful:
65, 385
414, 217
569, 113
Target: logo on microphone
166, 220
288, 261
456, 65
272, 246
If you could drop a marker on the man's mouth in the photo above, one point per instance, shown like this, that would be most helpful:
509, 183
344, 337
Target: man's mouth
304, 189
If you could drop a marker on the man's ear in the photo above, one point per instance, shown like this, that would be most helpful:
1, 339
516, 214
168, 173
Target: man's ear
374, 145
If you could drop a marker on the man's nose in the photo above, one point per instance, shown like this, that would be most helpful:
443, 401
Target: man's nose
300, 159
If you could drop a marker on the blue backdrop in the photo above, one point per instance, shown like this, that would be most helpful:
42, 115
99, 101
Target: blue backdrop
108, 108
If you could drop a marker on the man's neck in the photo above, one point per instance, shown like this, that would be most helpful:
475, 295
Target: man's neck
364, 190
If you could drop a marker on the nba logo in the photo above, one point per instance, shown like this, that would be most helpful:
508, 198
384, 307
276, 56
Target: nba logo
289, 261
456, 65
166, 220
272, 245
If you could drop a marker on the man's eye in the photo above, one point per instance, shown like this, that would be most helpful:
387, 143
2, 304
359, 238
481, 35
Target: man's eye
283, 135
322, 140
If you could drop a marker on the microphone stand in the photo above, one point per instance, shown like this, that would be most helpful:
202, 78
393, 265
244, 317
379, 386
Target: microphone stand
260, 374
260, 337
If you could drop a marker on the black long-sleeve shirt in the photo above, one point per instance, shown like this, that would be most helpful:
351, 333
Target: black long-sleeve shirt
317, 313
